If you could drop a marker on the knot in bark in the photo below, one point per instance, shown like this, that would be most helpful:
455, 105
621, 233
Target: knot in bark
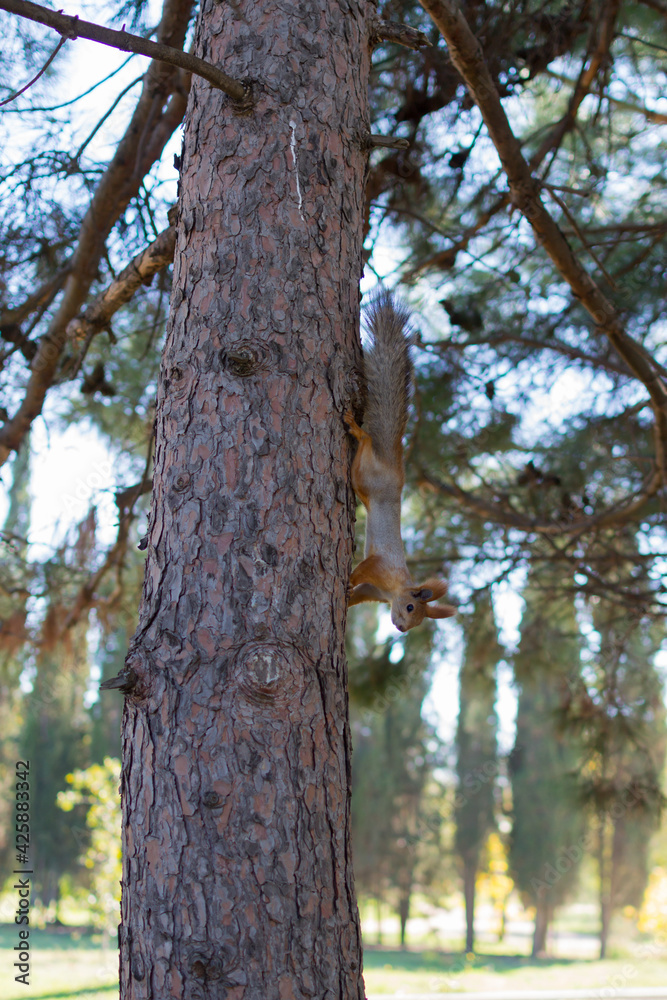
182, 482
177, 380
242, 360
265, 674
212, 800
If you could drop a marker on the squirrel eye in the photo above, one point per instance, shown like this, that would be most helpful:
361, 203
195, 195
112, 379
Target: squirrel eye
410, 608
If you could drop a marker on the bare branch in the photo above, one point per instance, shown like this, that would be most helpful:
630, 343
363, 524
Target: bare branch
74, 27
73, 100
446, 259
552, 344
387, 142
587, 75
401, 34
656, 5
575, 225
115, 556
107, 114
29, 84
153, 258
614, 516
43, 296
635, 108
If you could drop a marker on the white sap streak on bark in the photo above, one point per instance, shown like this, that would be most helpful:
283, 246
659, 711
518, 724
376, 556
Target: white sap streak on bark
292, 144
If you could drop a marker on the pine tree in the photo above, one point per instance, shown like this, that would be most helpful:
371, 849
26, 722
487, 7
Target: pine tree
547, 839
477, 756
55, 738
15, 586
396, 802
618, 713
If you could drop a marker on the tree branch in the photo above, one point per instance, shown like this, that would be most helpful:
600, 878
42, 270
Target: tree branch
656, 5
446, 258
115, 556
467, 56
142, 144
43, 296
614, 516
153, 258
12, 97
587, 75
387, 142
553, 344
638, 109
401, 34
74, 27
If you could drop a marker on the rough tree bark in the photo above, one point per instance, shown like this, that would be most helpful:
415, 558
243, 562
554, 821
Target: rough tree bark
237, 880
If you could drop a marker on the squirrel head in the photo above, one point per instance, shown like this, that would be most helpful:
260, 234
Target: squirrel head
412, 604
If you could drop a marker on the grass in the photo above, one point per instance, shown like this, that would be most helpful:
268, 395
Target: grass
70, 964
387, 971
65, 964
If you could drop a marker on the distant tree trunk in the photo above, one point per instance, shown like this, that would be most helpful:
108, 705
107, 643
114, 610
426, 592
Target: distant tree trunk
542, 918
403, 914
469, 876
476, 763
237, 876
502, 931
378, 904
605, 869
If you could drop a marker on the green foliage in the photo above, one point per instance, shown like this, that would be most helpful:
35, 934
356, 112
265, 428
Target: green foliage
97, 788
618, 713
397, 805
55, 739
477, 757
547, 829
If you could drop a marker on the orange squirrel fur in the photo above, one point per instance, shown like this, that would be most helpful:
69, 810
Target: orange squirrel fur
378, 476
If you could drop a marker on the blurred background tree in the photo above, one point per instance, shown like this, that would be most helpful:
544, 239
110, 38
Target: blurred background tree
477, 754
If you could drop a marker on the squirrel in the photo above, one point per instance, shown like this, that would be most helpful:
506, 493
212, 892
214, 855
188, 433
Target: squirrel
378, 475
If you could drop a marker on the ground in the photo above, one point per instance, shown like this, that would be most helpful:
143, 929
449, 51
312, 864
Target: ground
71, 964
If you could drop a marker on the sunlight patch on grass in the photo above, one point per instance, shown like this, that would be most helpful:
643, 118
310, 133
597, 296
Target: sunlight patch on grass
389, 972
63, 966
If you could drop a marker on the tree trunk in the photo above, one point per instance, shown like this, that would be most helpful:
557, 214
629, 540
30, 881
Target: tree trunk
605, 867
403, 914
237, 878
542, 918
502, 931
469, 873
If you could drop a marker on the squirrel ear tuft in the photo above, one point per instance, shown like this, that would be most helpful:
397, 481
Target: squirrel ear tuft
440, 611
424, 594
435, 588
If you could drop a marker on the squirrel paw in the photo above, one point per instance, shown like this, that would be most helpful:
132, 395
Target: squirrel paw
353, 427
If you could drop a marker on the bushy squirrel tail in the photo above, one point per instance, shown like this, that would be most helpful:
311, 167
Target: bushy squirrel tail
388, 372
